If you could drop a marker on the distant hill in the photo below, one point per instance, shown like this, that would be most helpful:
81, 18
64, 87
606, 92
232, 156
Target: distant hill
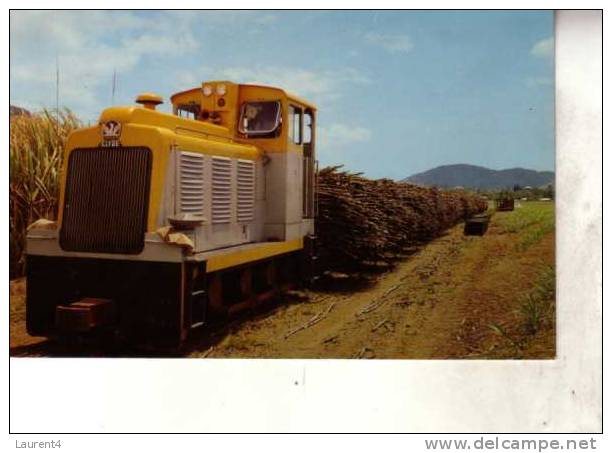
14, 110
472, 176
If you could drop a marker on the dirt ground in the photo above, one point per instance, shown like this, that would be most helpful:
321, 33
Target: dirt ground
457, 297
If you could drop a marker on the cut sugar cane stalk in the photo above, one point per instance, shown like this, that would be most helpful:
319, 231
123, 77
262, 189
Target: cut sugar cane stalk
314, 320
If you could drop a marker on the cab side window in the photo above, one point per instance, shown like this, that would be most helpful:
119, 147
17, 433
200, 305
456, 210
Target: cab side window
295, 125
260, 119
307, 129
190, 111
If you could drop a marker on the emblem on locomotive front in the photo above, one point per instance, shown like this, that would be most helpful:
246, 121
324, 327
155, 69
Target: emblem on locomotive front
111, 130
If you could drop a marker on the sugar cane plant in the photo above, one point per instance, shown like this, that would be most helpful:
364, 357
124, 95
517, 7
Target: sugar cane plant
35, 157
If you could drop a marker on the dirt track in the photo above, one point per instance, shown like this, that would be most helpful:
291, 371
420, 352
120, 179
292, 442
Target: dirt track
438, 303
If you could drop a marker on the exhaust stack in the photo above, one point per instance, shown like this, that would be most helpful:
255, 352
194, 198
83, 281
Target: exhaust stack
149, 100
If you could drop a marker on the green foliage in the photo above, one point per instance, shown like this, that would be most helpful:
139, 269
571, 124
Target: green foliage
521, 193
35, 158
526, 215
536, 310
538, 307
534, 235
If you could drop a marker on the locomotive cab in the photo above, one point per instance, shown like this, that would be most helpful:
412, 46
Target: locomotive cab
167, 219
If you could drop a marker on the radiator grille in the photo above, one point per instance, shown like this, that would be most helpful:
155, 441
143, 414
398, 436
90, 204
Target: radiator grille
106, 200
191, 183
221, 190
246, 190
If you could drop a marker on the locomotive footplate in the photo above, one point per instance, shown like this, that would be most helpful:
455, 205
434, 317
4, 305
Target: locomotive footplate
85, 315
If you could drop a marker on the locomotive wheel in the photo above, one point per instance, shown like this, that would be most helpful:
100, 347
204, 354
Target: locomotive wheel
233, 291
271, 274
246, 286
215, 294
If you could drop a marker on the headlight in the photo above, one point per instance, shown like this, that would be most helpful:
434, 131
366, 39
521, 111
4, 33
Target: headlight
221, 90
207, 90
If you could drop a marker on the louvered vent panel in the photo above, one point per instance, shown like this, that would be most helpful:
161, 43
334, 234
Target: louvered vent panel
191, 180
246, 190
221, 190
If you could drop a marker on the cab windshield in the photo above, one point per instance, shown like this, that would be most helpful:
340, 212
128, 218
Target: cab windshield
260, 118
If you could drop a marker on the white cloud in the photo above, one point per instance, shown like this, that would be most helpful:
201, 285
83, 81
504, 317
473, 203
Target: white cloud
339, 135
88, 46
319, 86
393, 43
543, 48
299, 81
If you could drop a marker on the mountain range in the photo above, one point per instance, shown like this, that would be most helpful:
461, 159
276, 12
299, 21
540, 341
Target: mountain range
475, 177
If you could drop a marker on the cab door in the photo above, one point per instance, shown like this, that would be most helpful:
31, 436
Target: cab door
301, 137
309, 174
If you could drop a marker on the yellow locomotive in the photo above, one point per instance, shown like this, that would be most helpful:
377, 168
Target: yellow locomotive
166, 219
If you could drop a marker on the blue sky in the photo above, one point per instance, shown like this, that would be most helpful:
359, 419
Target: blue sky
398, 92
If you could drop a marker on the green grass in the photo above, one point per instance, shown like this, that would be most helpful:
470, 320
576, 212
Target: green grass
534, 235
538, 307
529, 213
535, 314
530, 222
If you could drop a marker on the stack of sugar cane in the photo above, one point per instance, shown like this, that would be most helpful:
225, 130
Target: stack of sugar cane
362, 220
